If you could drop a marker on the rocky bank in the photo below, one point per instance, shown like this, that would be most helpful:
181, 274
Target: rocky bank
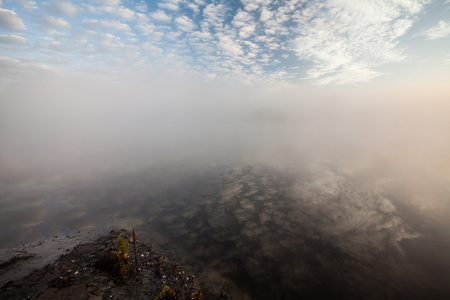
88, 272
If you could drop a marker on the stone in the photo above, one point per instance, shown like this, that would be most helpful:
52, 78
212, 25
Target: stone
74, 292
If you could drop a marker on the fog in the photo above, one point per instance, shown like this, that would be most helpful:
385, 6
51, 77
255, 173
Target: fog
69, 125
313, 184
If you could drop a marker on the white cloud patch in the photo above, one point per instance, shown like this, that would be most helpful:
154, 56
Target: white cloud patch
106, 2
141, 7
10, 63
150, 31
265, 15
244, 23
152, 49
185, 24
142, 18
19, 67
247, 31
160, 15
440, 30
65, 8
113, 24
53, 24
28, 5
168, 5
214, 16
13, 40
241, 19
345, 40
447, 59
251, 7
194, 7
228, 46
121, 12
9, 20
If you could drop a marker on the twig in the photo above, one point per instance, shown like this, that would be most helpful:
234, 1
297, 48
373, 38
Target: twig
135, 252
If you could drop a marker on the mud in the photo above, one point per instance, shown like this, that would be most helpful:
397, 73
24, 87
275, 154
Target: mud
77, 274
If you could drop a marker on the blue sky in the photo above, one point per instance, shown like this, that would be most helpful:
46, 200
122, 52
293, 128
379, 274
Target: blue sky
296, 41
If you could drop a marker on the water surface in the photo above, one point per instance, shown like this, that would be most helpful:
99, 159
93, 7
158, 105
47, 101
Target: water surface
267, 231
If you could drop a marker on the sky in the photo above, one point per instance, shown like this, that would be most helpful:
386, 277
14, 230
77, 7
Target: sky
313, 42
85, 81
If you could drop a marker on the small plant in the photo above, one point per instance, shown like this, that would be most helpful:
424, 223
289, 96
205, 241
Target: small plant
122, 248
166, 294
116, 263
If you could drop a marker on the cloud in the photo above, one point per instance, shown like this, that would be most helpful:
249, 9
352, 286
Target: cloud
246, 31
107, 2
65, 8
251, 7
152, 49
28, 5
228, 46
265, 15
151, 31
18, 68
142, 18
14, 40
121, 12
9, 20
60, 47
335, 41
214, 16
116, 11
168, 5
160, 15
241, 19
350, 38
274, 28
194, 7
245, 24
113, 24
10, 63
185, 24
141, 7
440, 30
53, 23
346, 74
214, 13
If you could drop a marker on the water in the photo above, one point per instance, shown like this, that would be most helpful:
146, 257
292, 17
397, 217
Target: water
269, 232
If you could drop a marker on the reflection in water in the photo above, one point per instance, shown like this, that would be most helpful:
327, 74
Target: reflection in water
275, 233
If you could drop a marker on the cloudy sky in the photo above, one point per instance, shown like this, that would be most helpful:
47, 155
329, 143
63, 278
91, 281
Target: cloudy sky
84, 81
304, 42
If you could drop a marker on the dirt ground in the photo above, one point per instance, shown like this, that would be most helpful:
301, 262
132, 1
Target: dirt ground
88, 271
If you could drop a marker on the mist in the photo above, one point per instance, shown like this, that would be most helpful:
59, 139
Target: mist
72, 125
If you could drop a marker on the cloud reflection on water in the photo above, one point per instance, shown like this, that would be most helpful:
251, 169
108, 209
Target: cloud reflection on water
316, 231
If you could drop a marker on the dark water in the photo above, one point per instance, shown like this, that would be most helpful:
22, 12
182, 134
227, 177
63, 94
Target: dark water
270, 232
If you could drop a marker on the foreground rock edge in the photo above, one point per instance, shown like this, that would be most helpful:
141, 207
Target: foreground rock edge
78, 275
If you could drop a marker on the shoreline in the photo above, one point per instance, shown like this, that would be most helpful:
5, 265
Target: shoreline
39, 254
69, 265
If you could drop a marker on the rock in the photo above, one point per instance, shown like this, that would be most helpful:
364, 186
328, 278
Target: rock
86, 273
74, 292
